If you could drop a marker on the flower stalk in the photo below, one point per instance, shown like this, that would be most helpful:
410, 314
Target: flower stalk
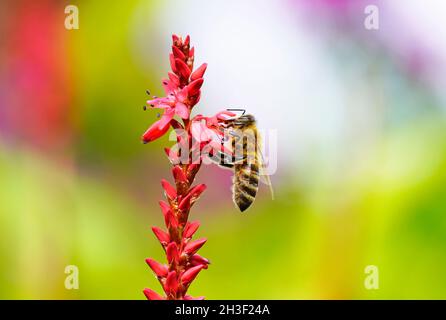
194, 136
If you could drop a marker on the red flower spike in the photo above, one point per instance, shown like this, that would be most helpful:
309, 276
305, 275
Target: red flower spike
172, 253
170, 191
194, 246
159, 269
162, 236
204, 134
194, 87
152, 295
190, 229
199, 72
189, 275
182, 68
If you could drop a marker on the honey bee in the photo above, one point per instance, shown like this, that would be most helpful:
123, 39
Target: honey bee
246, 161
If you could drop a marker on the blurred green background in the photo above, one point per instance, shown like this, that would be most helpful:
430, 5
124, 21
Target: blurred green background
361, 165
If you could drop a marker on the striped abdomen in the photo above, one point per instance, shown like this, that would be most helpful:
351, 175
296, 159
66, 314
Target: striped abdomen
245, 184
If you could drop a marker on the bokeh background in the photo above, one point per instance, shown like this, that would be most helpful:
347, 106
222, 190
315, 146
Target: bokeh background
361, 123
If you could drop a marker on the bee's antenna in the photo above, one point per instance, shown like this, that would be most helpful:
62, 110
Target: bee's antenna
241, 110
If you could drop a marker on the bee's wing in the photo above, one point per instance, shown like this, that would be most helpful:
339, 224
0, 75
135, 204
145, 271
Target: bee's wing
266, 178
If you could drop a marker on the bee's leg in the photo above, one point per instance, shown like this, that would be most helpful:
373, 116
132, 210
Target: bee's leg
225, 160
226, 165
235, 135
222, 160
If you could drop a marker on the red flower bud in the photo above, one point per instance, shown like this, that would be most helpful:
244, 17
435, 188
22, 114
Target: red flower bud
171, 284
179, 175
186, 41
190, 274
159, 269
182, 68
165, 208
185, 203
194, 87
170, 191
162, 236
169, 217
172, 221
193, 166
152, 295
194, 246
175, 39
172, 63
178, 54
199, 72
190, 229
172, 253
196, 98
196, 191
196, 260
156, 130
